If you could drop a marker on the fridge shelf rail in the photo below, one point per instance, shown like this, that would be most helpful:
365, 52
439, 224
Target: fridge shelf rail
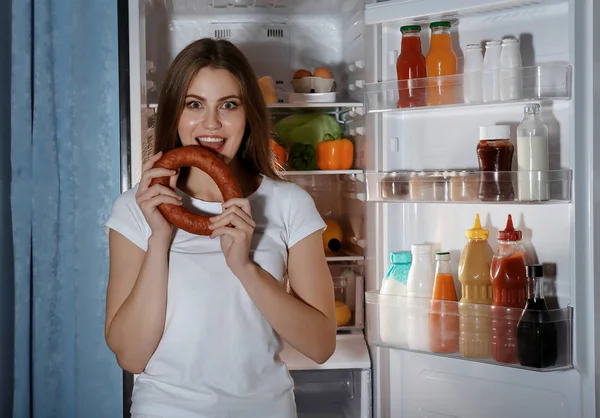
425, 11
538, 341
539, 83
470, 186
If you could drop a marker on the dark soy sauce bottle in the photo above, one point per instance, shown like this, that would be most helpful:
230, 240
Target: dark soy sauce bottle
537, 340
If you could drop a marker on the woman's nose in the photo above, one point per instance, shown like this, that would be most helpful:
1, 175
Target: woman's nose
211, 120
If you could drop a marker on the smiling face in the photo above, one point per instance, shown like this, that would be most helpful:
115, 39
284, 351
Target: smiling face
213, 116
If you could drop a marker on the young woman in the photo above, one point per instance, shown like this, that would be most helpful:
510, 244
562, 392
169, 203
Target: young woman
200, 318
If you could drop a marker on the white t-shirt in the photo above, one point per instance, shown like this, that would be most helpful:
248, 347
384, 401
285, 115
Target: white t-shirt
218, 356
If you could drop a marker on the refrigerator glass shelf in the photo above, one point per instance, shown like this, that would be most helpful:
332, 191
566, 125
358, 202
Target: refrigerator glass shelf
470, 186
481, 332
539, 83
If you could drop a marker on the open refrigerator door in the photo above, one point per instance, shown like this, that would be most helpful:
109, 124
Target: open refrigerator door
330, 67
467, 356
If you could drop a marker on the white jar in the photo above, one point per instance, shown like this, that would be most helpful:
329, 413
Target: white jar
472, 92
491, 71
421, 277
511, 79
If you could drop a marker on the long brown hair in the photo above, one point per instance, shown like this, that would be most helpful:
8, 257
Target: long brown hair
254, 154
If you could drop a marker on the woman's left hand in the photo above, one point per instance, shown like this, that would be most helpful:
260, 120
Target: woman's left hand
235, 241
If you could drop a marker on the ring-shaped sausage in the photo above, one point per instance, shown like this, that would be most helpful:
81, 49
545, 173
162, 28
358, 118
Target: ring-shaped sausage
211, 164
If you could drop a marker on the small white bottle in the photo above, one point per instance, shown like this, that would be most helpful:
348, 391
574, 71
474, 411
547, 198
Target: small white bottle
511, 82
532, 155
491, 71
472, 92
421, 277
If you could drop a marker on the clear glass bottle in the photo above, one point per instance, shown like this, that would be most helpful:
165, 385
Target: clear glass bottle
537, 338
443, 316
533, 155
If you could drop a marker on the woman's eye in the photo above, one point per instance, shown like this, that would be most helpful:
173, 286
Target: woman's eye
194, 105
229, 105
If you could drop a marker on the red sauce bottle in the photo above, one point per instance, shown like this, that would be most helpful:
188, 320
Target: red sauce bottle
509, 290
409, 66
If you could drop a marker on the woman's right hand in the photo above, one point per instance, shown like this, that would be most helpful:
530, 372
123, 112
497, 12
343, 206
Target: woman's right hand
148, 198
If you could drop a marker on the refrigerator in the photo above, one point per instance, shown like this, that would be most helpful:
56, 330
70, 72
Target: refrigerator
377, 203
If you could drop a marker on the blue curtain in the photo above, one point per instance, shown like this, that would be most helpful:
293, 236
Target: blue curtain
64, 178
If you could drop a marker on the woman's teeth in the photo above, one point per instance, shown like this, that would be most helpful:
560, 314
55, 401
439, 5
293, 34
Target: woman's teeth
208, 139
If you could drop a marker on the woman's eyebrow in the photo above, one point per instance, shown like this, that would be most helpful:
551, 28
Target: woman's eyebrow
203, 99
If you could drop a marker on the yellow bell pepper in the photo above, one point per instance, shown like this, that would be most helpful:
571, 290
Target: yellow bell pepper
335, 154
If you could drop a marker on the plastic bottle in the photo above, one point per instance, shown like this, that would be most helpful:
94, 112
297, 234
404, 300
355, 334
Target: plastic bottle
532, 156
474, 308
472, 88
491, 71
420, 288
409, 66
537, 336
443, 317
511, 82
509, 283
441, 61
392, 309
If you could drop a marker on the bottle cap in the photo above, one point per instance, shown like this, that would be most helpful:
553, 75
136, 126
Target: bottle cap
420, 248
494, 132
400, 257
535, 270
493, 43
473, 46
442, 256
510, 41
410, 27
532, 108
477, 232
441, 24
510, 233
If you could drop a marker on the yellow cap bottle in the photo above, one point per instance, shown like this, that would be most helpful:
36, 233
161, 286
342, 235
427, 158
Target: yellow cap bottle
477, 232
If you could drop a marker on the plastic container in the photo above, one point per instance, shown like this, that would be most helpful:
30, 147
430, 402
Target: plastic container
313, 85
443, 317
474, 277
509, 283
491, 71
394, 317
511, 81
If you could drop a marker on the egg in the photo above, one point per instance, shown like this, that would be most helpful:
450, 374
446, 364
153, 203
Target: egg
323, 73
301, 74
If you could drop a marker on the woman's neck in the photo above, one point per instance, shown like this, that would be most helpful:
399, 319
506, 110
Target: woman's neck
201, 186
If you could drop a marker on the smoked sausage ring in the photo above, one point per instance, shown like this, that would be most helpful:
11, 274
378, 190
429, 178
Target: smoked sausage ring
211, 164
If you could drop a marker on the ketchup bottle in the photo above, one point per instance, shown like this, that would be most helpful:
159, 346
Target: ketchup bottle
509, 284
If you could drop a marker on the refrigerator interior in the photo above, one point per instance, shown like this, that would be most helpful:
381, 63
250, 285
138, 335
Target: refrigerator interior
414, 384
280, 37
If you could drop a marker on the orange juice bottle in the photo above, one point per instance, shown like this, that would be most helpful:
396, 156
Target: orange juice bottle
441, 61
443, 316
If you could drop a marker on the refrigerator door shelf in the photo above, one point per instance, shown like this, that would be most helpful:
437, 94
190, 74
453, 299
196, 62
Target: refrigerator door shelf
351, 352
482, 332
470, 186
541, 82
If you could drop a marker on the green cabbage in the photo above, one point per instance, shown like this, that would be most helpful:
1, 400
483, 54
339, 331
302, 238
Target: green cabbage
306, 128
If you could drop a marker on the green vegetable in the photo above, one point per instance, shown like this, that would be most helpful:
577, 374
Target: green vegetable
303, 157
306, 128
